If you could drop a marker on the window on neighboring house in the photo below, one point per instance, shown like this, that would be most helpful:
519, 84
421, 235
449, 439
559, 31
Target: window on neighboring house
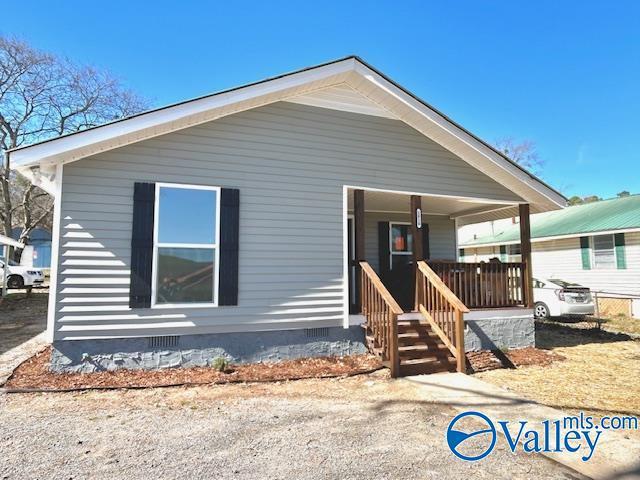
515, 253
185, 250
604, 252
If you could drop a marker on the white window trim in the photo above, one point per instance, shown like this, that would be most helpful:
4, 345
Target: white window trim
592, 245
157, 245
391, 252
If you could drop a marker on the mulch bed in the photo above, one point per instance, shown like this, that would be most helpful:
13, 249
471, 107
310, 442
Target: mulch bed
485, 360
34, 374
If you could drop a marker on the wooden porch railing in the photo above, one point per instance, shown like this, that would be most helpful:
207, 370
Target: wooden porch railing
483, 285
443, 310
381, 311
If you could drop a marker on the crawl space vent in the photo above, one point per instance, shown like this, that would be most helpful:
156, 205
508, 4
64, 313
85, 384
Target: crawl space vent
164, 342
316, 332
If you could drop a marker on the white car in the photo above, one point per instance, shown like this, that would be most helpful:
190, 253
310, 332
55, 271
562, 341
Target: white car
20, 276
557, 298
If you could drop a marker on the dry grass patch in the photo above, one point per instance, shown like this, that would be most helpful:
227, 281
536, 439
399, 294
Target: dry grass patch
485, 360
599, 374
622, 323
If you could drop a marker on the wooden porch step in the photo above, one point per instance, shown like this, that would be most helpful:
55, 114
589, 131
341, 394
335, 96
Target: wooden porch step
423, 351
418, 336
410, 323
425, 366
420, 349
406, 326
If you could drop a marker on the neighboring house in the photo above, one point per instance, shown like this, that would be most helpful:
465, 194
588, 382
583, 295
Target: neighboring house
596, 245
235, 224
38, 250
7, 246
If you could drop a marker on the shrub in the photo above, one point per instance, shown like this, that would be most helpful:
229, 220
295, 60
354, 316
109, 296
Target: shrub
220, 363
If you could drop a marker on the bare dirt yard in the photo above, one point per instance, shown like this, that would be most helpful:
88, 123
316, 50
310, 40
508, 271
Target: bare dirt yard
364, 427
22, 317
598, 374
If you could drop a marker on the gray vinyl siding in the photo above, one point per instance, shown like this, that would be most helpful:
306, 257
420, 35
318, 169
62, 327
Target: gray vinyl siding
290, 163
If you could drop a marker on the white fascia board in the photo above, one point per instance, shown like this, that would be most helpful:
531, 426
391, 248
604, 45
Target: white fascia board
494, 244
158, 122
449, 132
482, 210
350, 71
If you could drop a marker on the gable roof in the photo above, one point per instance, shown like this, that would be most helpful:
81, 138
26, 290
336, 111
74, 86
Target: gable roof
352, 71
605, 216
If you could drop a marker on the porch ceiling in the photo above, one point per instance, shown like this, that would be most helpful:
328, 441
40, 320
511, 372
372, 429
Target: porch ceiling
376, 201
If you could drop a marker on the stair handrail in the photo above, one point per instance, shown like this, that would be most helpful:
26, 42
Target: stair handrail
381, 311
443, 310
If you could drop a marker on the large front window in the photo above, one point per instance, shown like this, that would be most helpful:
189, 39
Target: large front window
186, 234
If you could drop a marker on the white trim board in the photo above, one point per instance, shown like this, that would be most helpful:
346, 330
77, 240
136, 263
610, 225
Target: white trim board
55, 254
509, 203
407, 212
351, 71
157, 245
345, 257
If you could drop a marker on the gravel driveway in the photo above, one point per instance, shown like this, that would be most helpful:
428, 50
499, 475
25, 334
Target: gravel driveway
360, 427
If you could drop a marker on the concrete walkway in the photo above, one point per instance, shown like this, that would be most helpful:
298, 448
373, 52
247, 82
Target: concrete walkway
616, 456
14, 357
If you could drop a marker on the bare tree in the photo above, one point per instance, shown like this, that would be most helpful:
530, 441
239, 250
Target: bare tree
43, 96
524, 153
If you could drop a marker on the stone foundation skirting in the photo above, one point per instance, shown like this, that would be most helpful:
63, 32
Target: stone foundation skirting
201, 350
501, 331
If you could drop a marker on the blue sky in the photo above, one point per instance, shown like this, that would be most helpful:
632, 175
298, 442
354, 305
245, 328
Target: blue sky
565, 75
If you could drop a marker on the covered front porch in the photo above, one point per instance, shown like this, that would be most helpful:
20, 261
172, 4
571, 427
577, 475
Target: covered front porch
416, 301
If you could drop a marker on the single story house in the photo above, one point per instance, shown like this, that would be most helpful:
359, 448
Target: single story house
289, 217
596, 245
37, 253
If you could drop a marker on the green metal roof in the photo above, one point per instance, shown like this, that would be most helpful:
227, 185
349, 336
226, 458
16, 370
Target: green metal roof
602, 216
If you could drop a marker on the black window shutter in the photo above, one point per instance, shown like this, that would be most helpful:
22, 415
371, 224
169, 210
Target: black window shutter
229, 246
142, 245
383, 247
426, 252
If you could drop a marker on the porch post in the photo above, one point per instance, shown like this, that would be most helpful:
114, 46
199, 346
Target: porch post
416, 233
525, 249
358, 226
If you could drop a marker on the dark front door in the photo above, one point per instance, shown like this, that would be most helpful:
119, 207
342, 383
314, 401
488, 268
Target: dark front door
397, 267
